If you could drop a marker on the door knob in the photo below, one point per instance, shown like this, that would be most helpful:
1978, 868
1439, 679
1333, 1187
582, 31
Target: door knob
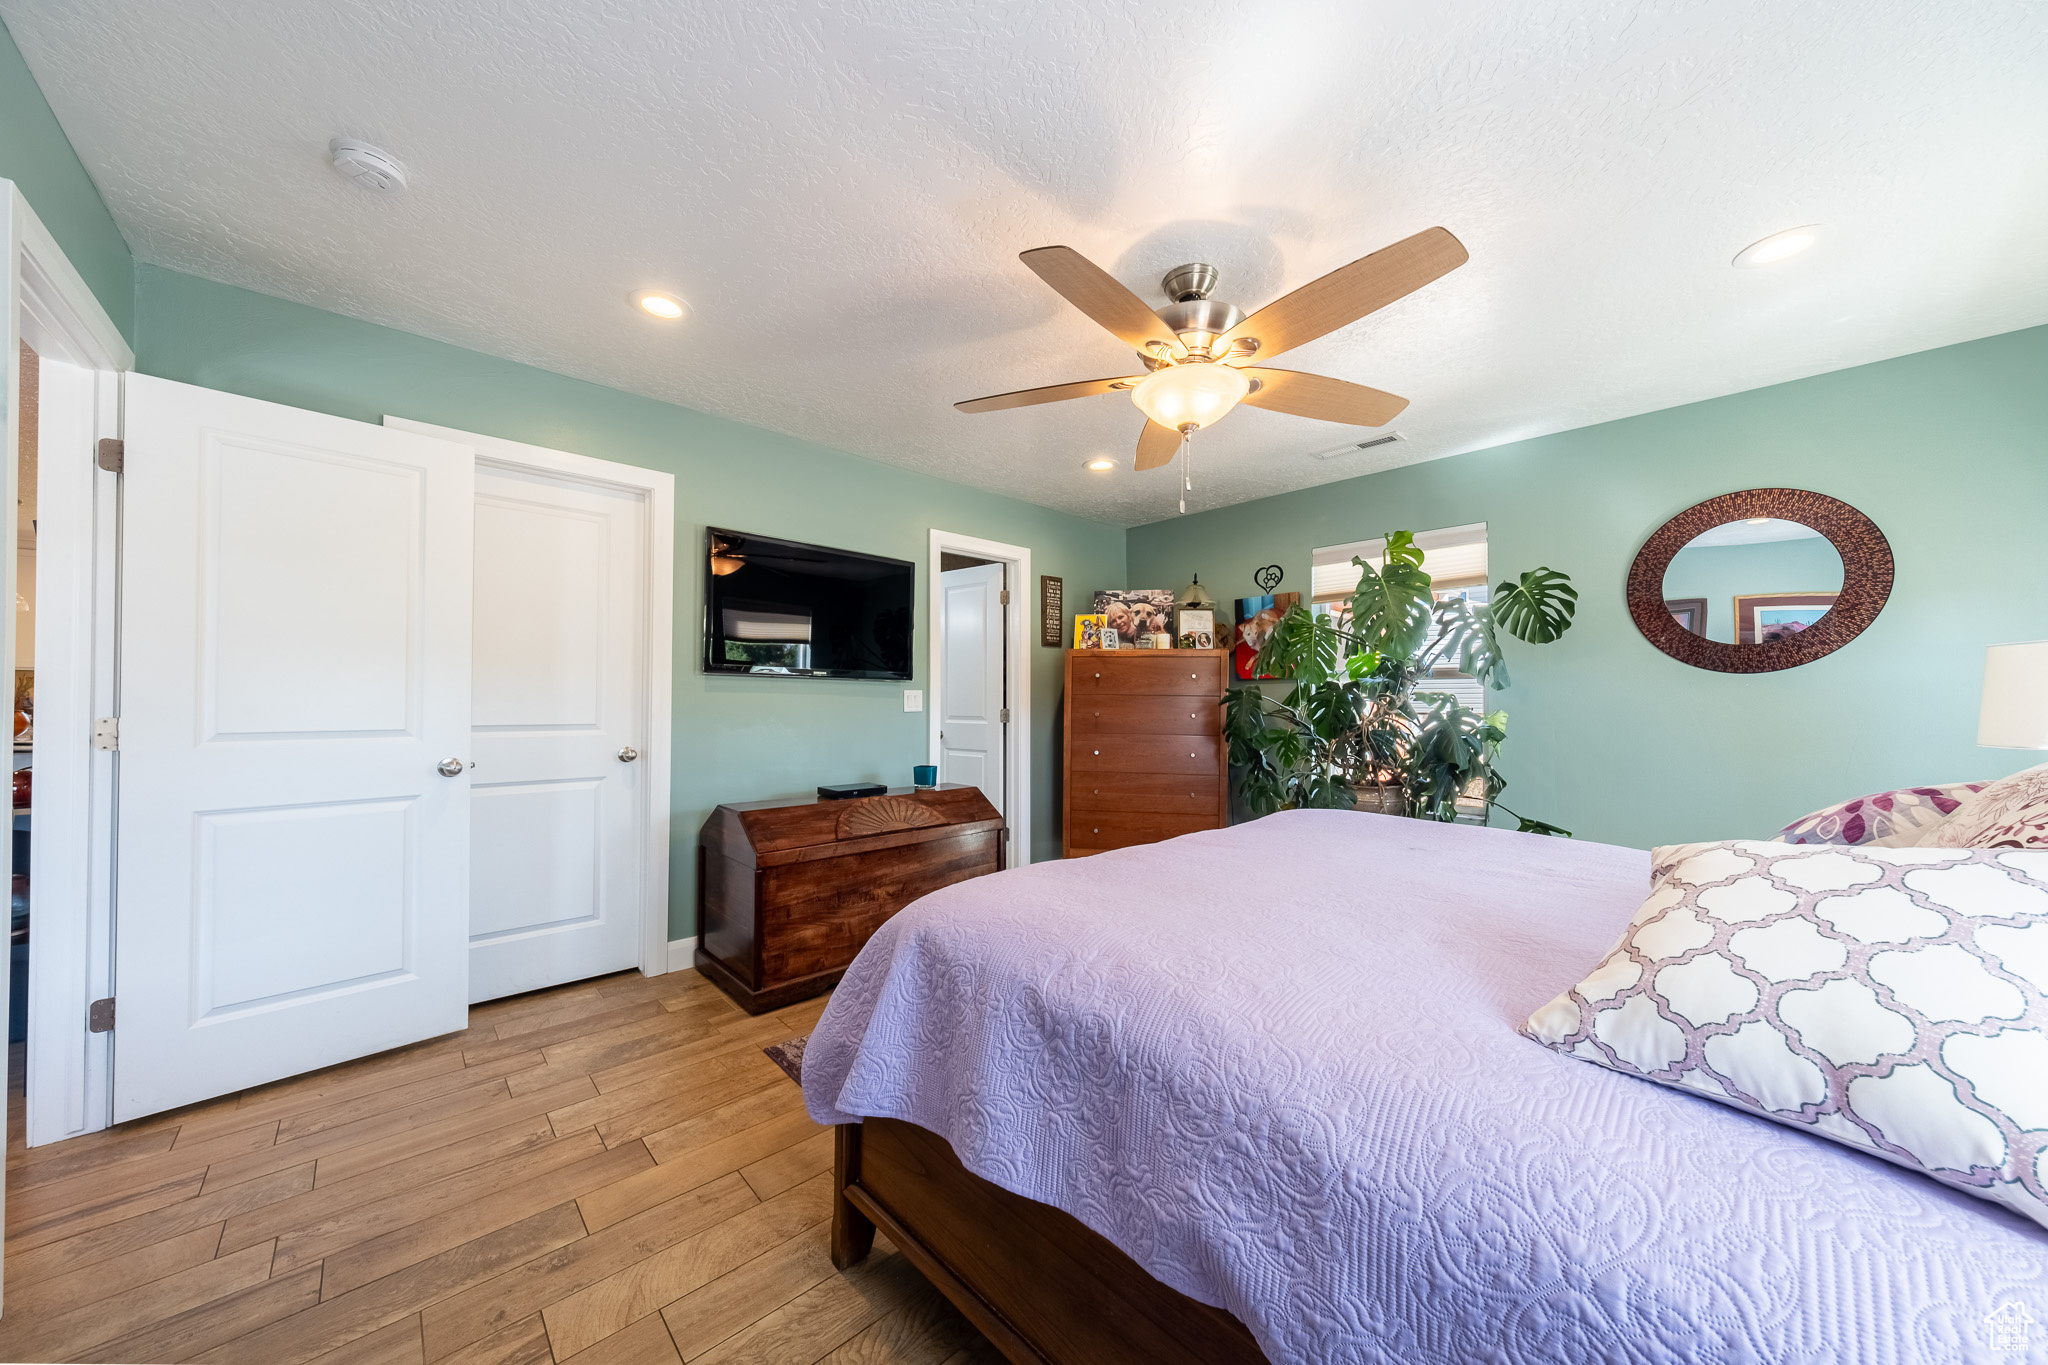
449, 767
628, 754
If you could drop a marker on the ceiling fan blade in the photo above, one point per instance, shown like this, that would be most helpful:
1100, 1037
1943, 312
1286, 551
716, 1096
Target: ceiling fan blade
1349, 292
1051, 393
1091, 289
1157, 445
1315, 395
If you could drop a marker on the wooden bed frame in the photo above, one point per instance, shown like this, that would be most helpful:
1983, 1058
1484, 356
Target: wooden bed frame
1043, 1287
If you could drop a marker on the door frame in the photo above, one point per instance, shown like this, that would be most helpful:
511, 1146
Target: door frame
69, 1073
657, 490
1016, 671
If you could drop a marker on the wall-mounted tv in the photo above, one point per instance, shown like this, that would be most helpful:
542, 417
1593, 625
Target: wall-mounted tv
778, 606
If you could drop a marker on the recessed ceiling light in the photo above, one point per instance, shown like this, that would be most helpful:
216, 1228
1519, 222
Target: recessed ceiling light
654, 303
1102, 464
1780, 246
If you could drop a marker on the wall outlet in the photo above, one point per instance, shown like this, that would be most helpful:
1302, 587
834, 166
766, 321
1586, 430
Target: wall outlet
913, 700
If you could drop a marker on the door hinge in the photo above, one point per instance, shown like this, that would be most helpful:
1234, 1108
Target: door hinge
99, 1016
106, 733
113, 454
1003, 715
1005, 598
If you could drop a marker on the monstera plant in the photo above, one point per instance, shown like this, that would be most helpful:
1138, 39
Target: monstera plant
1360, 727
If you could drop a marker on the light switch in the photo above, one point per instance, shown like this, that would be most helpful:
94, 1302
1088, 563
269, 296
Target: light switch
913, 700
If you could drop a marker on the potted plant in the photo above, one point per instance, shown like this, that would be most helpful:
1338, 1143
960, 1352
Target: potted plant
1360, 727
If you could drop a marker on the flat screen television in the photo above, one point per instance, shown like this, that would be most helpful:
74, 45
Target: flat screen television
778, 606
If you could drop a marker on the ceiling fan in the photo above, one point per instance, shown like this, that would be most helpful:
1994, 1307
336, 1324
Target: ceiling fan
1198, 351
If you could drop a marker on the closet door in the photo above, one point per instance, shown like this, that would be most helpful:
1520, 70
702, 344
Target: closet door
559, 812
293, 845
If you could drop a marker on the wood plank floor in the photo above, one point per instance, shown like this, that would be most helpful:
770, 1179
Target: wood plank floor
609, 1173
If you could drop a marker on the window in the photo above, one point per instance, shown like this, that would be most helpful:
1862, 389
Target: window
1455, 560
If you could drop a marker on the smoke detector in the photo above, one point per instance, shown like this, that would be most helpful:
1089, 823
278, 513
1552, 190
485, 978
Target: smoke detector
374, 170
1353, 447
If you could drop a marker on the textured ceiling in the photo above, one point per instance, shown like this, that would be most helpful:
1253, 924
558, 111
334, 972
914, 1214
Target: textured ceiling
840, 191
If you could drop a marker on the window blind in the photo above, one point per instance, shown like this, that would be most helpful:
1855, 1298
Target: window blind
1454, 557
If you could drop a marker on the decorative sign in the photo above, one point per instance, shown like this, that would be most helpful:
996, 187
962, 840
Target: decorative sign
1268, 578
1052, 611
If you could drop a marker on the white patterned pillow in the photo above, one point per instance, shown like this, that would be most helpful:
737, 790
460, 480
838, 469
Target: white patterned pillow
1894, 999
2010, 813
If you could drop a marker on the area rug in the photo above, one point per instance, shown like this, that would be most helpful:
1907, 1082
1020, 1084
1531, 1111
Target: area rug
790, 1056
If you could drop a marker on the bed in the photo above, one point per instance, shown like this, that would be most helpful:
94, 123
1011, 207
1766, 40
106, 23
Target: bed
1259, 1093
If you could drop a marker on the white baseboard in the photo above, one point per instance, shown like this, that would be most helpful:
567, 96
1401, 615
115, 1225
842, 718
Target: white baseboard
681, 952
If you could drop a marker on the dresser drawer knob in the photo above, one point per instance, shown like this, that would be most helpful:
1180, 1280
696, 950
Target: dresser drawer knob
1190, 755
1098, 753
1191, 677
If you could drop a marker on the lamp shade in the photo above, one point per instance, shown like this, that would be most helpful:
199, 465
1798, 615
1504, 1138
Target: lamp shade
1190, 395
2015, 710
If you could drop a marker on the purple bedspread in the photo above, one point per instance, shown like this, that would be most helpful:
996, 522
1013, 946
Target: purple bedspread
1278, 1065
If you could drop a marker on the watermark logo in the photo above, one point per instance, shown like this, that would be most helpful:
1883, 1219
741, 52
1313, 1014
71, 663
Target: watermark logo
2010, 1327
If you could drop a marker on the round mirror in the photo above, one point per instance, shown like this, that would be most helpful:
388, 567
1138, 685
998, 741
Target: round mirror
1753, 581
1761, 580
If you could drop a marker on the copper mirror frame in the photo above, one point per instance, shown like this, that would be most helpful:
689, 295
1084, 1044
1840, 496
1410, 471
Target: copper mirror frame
1866, 579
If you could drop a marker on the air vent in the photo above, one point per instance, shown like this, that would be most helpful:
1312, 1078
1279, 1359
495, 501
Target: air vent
1353, 447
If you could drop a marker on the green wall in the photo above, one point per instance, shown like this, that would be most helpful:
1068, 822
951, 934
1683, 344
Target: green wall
1946, 450
36, 155
1721, 572
736, 738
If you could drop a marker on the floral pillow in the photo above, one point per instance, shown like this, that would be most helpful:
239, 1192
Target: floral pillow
2009, 813
1894, 819
1895, 1000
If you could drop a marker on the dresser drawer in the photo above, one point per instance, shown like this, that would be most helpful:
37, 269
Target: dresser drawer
1144, 793
1148, 671
1112, 713
1202, 754
1097, 833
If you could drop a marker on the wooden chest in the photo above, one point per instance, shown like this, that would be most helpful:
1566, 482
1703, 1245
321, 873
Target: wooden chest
789, 891
1146, 757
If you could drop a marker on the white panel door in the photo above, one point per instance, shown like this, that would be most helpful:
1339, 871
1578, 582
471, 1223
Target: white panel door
556, 820
971, 679
292, 866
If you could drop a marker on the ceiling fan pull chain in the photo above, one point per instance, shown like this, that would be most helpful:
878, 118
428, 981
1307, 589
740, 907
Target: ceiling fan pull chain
1187, 455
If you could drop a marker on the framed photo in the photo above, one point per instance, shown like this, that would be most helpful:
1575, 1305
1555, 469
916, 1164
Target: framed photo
1689, 612
1194, 628
1763, 617
1135, 613
1256, 618
24, 705
1088, 632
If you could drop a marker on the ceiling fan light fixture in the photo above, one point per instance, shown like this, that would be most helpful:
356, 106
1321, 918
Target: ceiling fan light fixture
1194, 395
1102, 464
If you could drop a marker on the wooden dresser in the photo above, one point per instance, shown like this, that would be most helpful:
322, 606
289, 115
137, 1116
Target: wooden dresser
789, 891
1146, 757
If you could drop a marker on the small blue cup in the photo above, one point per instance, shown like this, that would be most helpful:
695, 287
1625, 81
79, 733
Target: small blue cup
925, 776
